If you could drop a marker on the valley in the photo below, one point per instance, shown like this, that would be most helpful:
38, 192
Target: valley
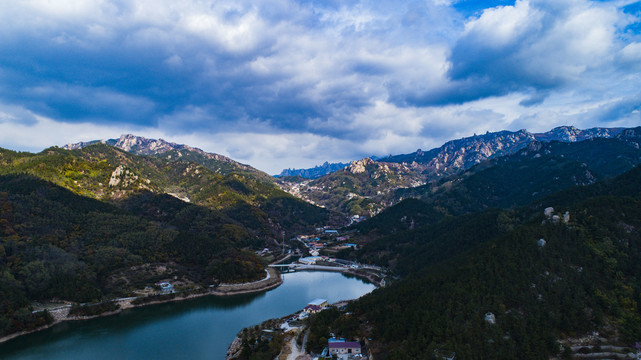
541, 231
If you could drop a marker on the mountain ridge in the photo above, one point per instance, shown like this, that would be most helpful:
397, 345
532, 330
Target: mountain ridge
556, 278
461, 154
423, 167
140, 145
315, 172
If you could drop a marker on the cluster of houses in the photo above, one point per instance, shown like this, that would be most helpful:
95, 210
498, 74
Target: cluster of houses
338, 348
344, 350
331, 241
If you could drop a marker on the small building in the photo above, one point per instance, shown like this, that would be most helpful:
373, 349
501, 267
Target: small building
343, 349
331, 232
312, 309
318, 302
310, 260
541, 243
166, 288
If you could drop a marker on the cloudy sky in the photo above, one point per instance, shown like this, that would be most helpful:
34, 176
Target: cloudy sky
292, 83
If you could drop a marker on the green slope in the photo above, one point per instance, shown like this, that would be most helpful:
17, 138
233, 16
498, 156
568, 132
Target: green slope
56, 244
584, 279
533, 173
107, 173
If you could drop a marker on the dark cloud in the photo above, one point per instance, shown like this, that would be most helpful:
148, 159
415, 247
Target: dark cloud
535, 99
628, 108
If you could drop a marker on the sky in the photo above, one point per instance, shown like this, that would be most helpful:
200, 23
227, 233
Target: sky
294, 83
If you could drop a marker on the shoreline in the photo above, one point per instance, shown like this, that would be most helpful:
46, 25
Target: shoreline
234, 349
60, 315
273, 280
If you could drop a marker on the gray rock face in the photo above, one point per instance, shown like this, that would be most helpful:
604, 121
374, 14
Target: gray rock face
464, 153
143, 146
359, 166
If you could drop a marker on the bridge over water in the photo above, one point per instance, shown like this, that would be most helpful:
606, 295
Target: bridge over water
297, 266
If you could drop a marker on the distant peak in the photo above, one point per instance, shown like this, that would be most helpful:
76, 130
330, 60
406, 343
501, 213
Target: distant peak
358, 166
566, 128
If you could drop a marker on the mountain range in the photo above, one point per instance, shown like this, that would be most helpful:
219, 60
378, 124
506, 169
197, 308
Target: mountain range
532, 252
315, 172
368, 192
537, 232
556, 278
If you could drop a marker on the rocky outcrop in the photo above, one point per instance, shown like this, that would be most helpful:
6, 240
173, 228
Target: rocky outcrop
83, 144
143, 146
461, 154
359, 166
123, 177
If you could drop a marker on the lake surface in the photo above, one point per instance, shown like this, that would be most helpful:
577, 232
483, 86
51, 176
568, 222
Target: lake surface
199, 328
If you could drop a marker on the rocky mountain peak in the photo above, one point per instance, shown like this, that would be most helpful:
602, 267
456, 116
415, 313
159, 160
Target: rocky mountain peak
142, 145
565, 133
461, 154
82, 144
359, 166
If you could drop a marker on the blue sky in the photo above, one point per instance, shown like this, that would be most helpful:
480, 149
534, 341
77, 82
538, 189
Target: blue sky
286, 83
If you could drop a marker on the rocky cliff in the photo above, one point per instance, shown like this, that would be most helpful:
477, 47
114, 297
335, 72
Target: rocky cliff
461, 154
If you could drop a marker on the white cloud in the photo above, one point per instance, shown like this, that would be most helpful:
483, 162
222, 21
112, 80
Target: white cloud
288, 83
504, 25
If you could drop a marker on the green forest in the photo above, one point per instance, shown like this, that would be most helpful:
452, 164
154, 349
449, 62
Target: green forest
58, 245
583, 278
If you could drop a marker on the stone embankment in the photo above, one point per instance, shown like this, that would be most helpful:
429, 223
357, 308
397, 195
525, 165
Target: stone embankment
272, 280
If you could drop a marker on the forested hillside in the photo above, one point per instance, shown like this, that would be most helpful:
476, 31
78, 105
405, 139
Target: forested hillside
518, 283
98, 222
533, 173
106, 173
56, 244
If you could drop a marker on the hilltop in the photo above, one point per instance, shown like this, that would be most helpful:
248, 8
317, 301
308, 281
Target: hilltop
139, 145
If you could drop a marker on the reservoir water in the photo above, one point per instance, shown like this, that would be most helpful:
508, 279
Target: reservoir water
200, 328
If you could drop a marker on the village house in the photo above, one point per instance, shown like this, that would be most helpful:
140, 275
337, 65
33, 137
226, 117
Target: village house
344, 349
312, 309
